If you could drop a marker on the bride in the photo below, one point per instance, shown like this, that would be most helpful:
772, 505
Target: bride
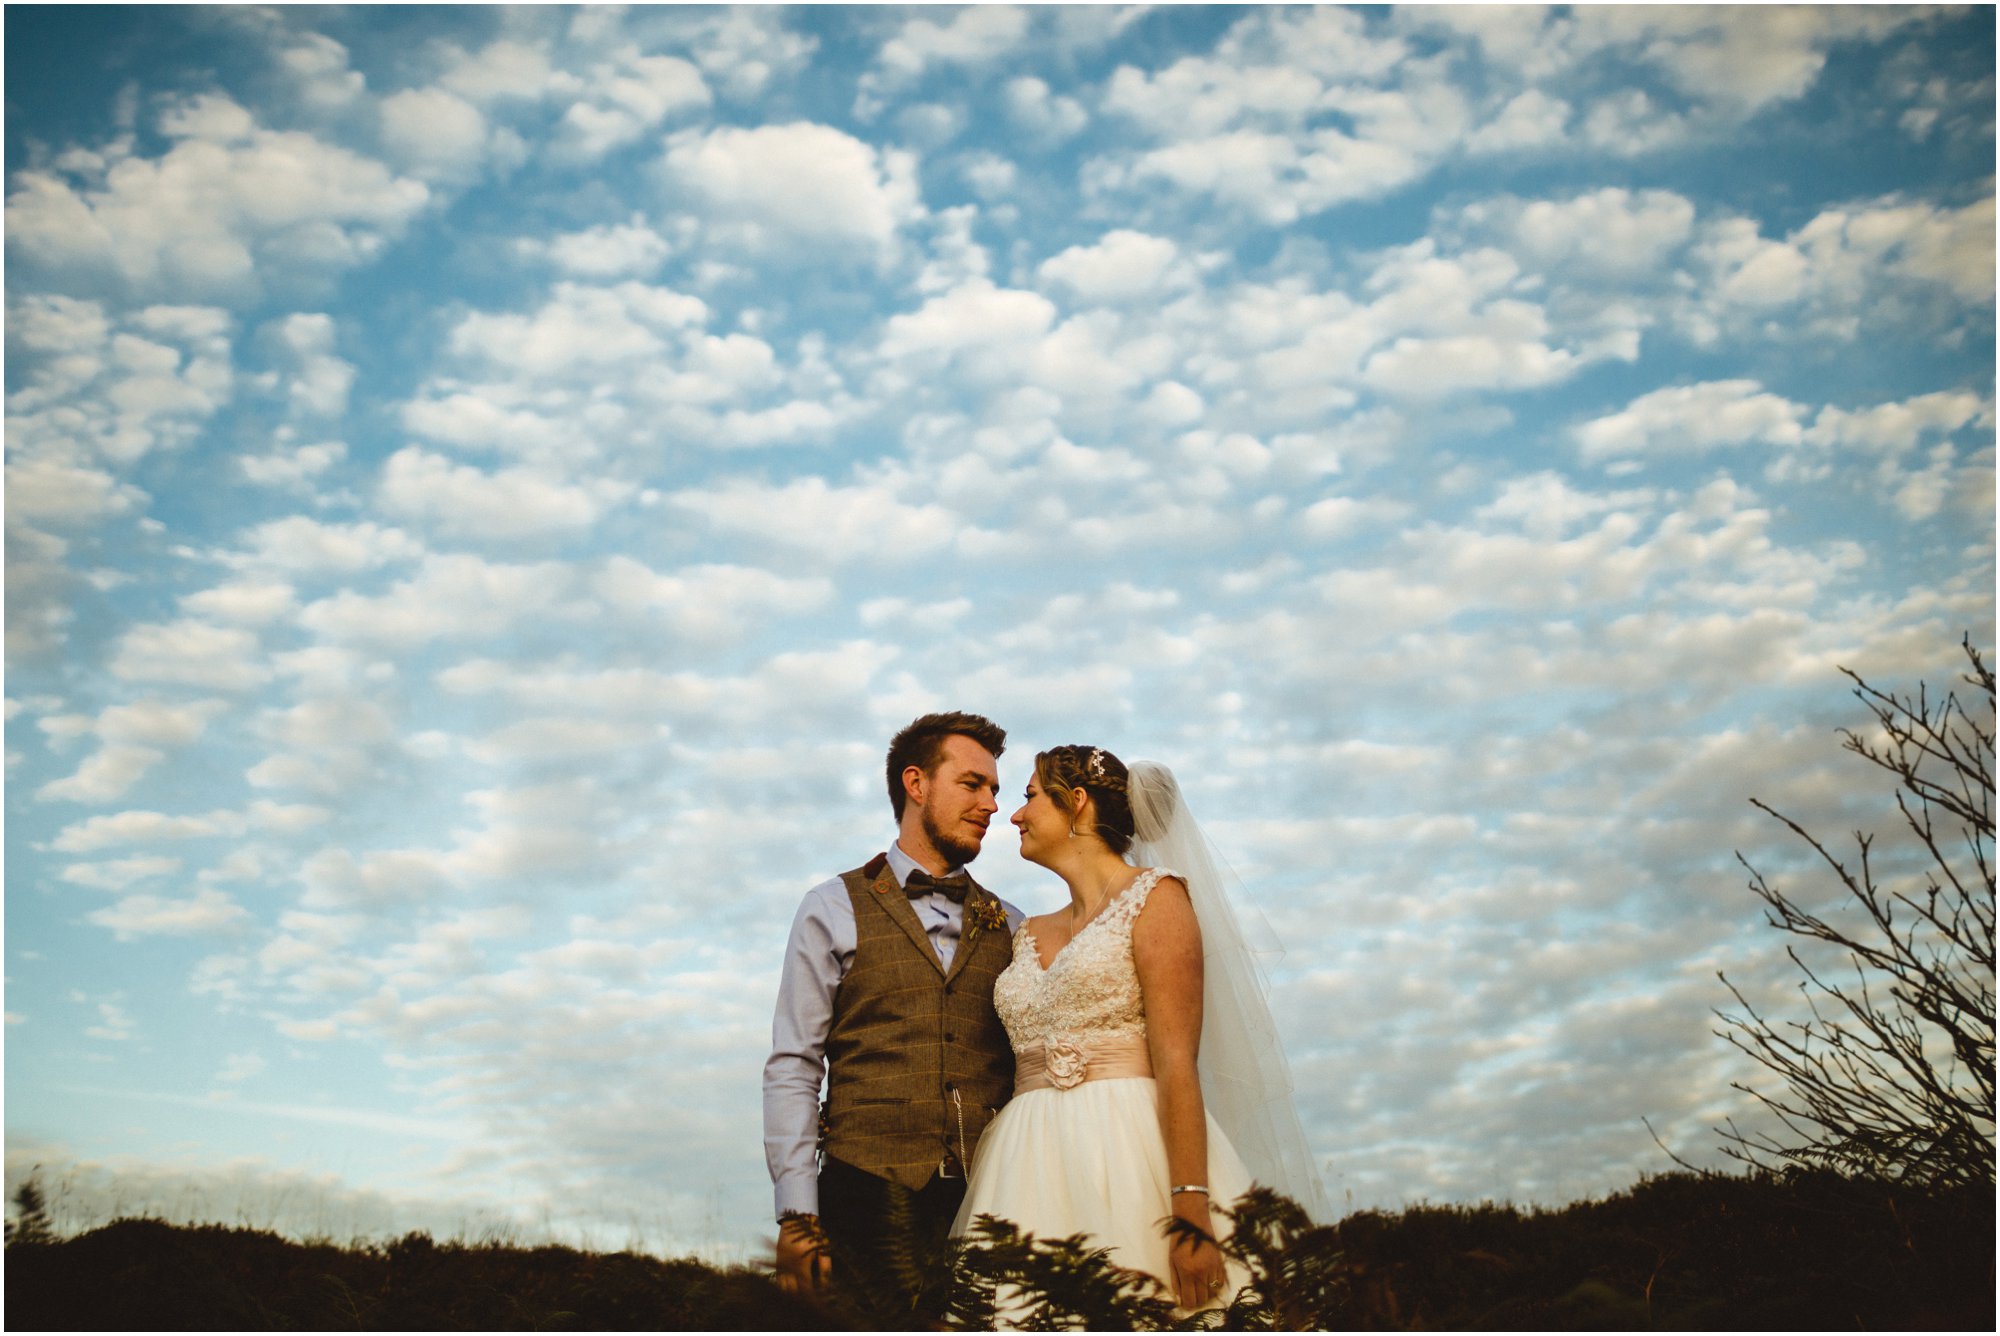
1148, 1077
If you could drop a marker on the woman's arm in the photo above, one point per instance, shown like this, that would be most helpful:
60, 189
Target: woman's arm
1166, 948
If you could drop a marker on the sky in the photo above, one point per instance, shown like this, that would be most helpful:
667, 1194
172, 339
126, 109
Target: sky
483, 486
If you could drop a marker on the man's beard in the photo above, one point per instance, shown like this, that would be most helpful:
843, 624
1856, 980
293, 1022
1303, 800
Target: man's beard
955, 850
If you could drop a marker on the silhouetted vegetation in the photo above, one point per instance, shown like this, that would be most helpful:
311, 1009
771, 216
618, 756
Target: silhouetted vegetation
31, 1216
134, 1275
1685, 1251
1892, 1077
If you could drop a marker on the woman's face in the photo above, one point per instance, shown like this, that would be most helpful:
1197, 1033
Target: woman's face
1044, 826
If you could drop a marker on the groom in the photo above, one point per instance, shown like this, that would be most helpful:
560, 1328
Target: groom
887, 994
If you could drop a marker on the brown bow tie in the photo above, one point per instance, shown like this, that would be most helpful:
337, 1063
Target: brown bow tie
923, 883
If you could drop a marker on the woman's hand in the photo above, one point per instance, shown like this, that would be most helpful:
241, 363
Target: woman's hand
1198, 1270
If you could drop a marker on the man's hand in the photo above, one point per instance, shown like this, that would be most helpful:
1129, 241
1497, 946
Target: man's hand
802, 1261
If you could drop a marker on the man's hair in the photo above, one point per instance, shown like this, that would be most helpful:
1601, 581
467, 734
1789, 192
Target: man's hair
921, 744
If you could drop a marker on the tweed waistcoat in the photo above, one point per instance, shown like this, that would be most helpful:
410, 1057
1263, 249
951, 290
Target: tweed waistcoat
917, 1061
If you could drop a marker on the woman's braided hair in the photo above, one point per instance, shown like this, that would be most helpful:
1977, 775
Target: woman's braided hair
1098, 773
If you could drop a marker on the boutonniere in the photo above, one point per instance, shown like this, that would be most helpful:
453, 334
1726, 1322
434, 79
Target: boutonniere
986, 912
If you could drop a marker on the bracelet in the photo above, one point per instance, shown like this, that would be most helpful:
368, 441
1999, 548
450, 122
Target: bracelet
1187, 1187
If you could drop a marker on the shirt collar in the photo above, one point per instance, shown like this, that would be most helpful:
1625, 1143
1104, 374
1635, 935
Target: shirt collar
903, 865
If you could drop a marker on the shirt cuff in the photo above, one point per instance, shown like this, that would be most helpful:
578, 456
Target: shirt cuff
800, 1193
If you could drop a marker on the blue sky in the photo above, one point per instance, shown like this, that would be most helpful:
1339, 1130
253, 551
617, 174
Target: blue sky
484, 484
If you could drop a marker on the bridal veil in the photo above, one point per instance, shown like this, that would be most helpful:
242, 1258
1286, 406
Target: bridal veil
1245, 1080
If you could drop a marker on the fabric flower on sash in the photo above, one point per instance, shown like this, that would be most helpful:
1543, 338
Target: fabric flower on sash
1066, 1061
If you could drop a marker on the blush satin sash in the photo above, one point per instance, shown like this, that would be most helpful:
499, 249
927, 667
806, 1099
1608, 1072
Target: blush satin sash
1062, 1063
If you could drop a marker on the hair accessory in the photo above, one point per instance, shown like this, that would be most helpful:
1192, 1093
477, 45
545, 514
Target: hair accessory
1097, 773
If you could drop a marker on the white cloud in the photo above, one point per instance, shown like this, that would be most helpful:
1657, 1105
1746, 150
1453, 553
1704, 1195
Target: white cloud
977, 34
223, 211
838, 524
547, 738
131, 739
1612, 233
329, 722
206, 911
465, 502
1752, 271
623, 99
1122, 266
1890, 433
246, 602
902, 612
1424, 368
502, 70
991, 176
1046, 115
450, 596
104, 776
973, 315
1920, 242
327, 744
623, 250
1894, 428
285, 818
1531, 119
1240, 126
116, 391
708, 603
433, 134
140, 827
320, 75
58, 495
1690, 419
1739, 57
1546, 506
775, 186
114, 1023
292, 466
192, 652
1631, 124
627, 374
1200, 97
319, 386
304, 546
1876, 262
581, 330
119, 873
336, 879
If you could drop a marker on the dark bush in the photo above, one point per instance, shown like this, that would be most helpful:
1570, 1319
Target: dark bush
1695, 1252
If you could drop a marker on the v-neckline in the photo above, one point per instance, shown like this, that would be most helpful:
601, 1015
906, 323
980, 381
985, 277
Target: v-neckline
1035, 945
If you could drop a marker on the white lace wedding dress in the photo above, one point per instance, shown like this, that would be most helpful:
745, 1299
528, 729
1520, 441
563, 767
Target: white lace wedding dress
1078, 1149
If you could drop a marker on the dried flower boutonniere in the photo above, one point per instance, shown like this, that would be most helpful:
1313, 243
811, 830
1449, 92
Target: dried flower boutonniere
987, 913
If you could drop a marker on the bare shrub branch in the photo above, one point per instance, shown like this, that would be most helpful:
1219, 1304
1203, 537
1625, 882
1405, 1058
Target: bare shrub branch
1892, 1077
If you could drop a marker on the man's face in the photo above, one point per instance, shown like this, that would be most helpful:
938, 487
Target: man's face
960, 798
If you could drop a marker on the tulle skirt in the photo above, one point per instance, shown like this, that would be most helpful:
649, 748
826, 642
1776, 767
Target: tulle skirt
1091, 1160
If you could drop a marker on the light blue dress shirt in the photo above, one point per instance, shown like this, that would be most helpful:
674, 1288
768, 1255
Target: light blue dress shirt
816, 960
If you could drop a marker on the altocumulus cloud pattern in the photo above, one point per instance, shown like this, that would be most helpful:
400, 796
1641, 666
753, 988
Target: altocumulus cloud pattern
483, 485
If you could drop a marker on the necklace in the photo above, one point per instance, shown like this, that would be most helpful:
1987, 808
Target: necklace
1076, 927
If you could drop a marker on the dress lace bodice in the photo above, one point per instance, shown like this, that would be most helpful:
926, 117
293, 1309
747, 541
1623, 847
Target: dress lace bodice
1090, 989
